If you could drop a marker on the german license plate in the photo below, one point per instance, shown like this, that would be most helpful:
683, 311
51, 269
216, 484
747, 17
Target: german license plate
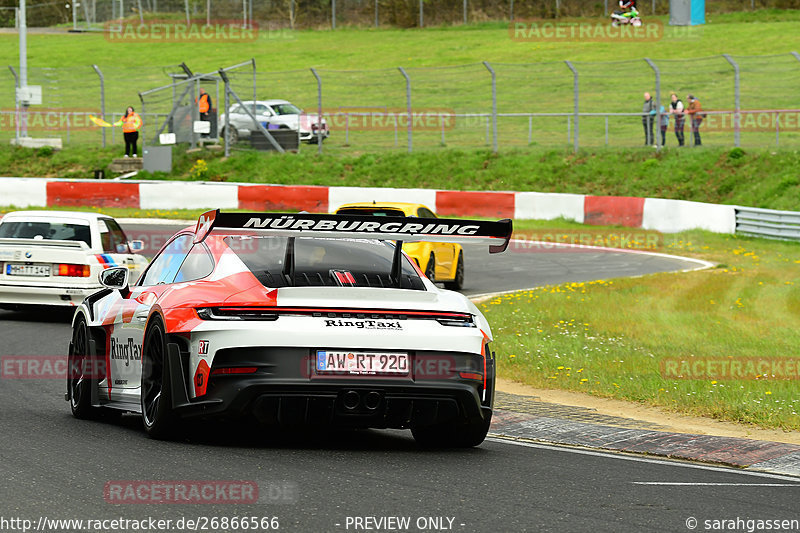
368, 363
27, 270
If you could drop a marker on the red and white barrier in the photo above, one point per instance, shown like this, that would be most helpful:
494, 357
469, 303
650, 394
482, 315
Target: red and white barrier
648, 213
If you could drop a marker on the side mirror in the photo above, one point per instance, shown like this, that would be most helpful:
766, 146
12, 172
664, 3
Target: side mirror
136, 246
115, 278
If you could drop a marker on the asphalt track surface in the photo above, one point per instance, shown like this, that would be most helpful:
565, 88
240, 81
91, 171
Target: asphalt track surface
57, 467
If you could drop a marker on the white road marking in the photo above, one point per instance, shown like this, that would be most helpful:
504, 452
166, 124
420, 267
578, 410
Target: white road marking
688, 484
625, 457
702, 265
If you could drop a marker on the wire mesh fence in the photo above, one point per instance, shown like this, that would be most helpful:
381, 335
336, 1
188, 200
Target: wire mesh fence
748, 101
95, 14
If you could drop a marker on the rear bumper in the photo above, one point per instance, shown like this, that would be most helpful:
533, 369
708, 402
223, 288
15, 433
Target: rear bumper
273, 397
67, 296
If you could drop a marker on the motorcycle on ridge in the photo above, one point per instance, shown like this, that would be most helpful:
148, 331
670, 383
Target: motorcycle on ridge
620, 18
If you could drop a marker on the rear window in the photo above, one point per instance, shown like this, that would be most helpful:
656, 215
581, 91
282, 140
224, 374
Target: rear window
376, 211
45, 230
322, 262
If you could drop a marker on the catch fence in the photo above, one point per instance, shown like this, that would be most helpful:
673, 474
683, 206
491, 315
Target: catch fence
749, 101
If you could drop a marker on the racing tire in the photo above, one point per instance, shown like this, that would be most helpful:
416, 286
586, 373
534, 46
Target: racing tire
430, 268
159, 421
231, 137
458, 282
79, 385
452, 435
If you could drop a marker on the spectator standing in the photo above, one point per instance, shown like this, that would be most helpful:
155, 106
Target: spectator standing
204, 106
676, 108
648, 119
695, 112
130, 123
664, 125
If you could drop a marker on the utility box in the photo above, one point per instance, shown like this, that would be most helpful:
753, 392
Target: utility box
289, 140
687, 12
157, 158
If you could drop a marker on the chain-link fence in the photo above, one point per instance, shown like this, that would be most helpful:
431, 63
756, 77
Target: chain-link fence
94, 14
748, 101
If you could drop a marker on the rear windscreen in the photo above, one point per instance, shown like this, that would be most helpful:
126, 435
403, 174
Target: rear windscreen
302, 261
45, 230
374, 211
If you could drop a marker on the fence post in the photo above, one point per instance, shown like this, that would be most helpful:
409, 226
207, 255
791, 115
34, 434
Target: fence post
102, 99
408, 102
376, 13
511, 12
421, 15
333, 14
657, 125
606, 130
605, 8
465, 12
736, 100
144, 135
575, 83
226, 126
253, 59
319, 110
494, 105
16, 105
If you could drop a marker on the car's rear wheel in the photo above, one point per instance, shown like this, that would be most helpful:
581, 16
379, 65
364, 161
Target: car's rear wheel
458, 282
230, 135
79, 363
156, 398
453, 435
430, 268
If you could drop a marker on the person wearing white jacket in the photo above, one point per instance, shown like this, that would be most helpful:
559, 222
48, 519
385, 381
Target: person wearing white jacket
676, 108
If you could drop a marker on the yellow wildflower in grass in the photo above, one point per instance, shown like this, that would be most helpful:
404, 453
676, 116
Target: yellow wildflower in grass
768, 392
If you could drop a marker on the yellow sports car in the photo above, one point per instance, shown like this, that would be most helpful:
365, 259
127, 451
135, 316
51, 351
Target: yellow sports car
441, 261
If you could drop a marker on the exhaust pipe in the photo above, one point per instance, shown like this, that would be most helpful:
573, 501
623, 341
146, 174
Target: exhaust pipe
372, 400
351, 399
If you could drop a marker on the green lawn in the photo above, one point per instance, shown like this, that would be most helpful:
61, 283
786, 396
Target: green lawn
617, 338
358, 68
757, 178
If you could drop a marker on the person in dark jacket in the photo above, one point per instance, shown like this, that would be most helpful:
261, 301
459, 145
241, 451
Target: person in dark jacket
676, 108
648, 119
695, 111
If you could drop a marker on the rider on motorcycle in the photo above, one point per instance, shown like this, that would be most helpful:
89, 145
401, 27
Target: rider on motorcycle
631, 6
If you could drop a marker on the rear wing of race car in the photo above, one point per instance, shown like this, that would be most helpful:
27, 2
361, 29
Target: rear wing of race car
404, 229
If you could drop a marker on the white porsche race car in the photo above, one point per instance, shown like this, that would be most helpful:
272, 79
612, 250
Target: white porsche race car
293, 319
53, 258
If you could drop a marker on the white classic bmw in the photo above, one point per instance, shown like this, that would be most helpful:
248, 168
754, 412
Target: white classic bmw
53, 258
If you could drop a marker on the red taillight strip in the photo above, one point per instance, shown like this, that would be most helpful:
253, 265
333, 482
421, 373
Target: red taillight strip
234, 370
471, 375
309, 310
485, 355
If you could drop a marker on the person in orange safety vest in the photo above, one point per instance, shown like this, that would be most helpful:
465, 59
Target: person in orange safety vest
204, 106
130, 123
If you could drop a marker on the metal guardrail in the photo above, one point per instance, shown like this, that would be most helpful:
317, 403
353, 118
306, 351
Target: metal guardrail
768, 223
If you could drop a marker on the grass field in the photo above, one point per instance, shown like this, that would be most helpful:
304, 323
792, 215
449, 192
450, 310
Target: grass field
616, 338
757, 178
358, 68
